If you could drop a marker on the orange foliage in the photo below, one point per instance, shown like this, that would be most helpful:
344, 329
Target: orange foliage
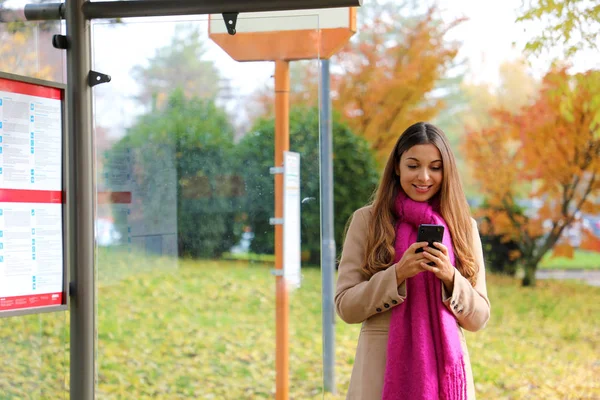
386, 81
548, 151
564, 250
382, 82
590, 242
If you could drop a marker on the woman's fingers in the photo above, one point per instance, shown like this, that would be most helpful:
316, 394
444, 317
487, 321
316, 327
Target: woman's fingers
430, 268
435, 252
441, 248
431, 257
417, 245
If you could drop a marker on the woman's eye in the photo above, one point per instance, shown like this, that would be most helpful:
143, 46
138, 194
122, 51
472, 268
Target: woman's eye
412, 167
436, 168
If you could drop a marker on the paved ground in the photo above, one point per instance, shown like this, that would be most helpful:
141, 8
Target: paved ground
591, 277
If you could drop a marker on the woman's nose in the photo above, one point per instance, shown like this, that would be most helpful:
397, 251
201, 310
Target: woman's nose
423, 175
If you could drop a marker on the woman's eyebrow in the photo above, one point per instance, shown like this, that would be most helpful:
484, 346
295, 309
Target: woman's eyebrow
417, 160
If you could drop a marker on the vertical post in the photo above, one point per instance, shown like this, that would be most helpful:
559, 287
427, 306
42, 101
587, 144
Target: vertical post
327, 232
79, 125
282, 143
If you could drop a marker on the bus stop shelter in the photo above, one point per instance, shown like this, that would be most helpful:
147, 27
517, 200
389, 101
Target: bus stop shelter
79, 179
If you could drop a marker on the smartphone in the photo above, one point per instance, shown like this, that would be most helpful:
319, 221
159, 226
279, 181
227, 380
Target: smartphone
430, 233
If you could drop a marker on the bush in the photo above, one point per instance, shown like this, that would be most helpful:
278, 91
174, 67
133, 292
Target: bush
354, 168
497, 254
181, 159
499, 251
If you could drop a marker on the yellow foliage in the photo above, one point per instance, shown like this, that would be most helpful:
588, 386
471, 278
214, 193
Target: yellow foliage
18, 56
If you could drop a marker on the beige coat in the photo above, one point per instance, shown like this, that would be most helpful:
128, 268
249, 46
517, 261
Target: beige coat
367, 301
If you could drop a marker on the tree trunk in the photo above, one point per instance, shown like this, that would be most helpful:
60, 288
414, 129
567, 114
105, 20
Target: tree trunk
529, 277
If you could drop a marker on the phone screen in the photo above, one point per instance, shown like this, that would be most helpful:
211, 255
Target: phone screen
430, 233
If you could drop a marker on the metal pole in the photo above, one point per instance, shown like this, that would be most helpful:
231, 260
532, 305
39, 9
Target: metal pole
157, 8
79, 114
327, 232
45, 11
282, 143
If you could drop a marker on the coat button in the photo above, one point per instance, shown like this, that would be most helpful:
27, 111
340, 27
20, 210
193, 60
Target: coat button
394, 302
378, 309
386, 305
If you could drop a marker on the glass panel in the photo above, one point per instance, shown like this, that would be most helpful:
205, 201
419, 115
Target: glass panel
184, 143
26, 48
34, 348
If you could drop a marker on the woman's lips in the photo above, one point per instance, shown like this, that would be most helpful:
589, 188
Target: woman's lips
421, 189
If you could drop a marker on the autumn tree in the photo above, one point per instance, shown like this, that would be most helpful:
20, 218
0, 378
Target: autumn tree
571, 24
387, 78
516, 88
18, 49
548, 151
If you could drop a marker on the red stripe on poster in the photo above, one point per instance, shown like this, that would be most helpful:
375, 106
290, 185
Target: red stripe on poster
30, 196
30, 301
30, 89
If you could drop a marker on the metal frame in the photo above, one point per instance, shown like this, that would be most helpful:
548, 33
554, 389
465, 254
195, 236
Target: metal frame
67, 201
328, 251
83, 303
156, 8
79, 127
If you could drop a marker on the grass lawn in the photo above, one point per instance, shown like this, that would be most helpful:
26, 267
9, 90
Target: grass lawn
191, 330
581, 260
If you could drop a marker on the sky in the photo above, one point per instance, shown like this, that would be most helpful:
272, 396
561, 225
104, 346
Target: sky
488, 37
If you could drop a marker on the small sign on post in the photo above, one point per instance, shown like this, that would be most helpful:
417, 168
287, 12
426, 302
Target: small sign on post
291, 217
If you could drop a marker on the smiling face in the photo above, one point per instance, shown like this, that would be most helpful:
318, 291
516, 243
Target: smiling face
421, 171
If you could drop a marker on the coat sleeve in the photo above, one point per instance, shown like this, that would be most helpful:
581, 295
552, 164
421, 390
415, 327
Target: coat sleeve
358, 297
470, 305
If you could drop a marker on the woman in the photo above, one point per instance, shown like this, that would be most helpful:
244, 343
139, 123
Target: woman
411, 344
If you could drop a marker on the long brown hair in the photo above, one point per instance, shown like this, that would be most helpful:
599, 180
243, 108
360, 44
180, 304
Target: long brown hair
453, 205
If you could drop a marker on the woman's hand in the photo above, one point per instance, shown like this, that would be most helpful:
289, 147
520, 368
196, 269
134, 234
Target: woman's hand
410, 263
442, 267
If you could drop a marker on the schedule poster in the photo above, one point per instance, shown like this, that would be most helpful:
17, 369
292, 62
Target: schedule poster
32, 275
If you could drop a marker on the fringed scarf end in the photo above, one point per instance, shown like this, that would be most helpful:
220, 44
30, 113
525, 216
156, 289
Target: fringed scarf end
455, 383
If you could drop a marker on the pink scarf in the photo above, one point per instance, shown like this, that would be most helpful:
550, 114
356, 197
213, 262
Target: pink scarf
424, 354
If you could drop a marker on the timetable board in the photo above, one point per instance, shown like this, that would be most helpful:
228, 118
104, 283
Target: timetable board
32, 238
